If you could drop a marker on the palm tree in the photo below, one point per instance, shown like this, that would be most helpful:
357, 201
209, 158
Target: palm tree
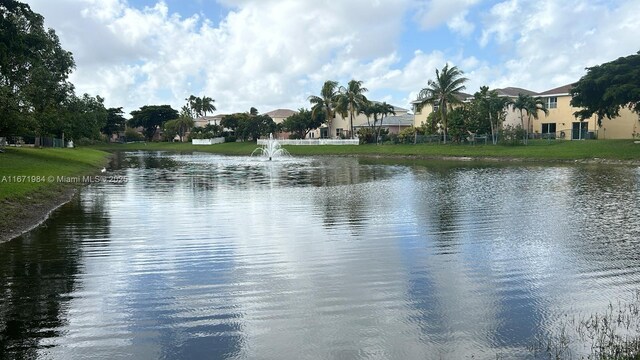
530, 105
383, 109
325, 103
195, 103
351, 100
534, 105
442, 92
207, 105
494, 106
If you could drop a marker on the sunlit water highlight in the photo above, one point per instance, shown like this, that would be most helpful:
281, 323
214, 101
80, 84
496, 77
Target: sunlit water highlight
204, 256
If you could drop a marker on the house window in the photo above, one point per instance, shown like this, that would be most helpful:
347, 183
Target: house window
338, 132
552, 102
549, 128
436, 107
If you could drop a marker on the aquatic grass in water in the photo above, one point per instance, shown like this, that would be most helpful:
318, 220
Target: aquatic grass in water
612, 335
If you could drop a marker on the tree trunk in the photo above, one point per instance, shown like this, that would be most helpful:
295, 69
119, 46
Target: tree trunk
443, 114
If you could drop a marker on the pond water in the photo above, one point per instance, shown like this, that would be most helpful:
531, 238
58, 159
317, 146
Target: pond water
206, 256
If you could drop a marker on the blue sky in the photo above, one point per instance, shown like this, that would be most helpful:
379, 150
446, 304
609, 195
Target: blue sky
275, 53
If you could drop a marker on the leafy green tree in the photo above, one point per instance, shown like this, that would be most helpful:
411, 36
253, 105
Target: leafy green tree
443, 92
457, 123
33, 73
246, 126
608, 87
351, 101
115, 121
231, 121
151, 117
487, 112
325, 103
302, 123
178, 126
85, 117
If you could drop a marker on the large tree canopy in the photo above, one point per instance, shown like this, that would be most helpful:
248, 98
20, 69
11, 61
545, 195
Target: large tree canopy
151, 117
608, 87
300, 124
33, 72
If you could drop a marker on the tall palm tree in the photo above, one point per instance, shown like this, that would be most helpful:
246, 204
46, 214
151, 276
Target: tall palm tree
207, 105
383, 109
531, 106
442, 92
535, 105
351, 100
325, 103
195, 103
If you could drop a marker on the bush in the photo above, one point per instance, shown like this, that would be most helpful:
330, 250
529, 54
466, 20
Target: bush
230, 138
86, 142
511, 135
407, 136
132, 135
367, 135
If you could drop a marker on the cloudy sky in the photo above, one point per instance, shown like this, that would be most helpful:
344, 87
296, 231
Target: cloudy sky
275, 53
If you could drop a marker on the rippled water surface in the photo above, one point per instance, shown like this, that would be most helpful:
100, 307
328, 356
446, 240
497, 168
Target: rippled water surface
204, 256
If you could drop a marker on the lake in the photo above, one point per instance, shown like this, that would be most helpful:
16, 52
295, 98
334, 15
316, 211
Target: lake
207, 256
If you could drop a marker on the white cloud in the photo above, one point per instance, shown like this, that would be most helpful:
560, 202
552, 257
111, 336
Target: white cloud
550, 43
271, 53
433, 13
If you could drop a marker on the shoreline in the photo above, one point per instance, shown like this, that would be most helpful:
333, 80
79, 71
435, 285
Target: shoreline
38, 214
27, 204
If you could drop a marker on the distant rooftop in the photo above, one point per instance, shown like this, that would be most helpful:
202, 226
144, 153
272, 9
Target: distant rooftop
562, 90
281, 113
461, 96
514, 92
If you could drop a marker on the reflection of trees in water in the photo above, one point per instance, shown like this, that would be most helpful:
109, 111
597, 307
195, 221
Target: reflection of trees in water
37, 273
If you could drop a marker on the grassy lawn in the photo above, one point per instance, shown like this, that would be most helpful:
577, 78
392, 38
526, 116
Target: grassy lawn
24, 202
44, 163
536, 150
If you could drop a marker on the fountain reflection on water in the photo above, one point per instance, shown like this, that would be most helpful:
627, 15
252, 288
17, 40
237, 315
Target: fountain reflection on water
271, 149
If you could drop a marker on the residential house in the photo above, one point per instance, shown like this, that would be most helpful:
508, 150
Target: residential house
209, 120
563, 124
512, 115
420, 114
278, 116
341, 123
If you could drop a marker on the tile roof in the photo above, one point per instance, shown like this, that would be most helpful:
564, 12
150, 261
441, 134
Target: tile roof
281, 113
515, 91
557, 91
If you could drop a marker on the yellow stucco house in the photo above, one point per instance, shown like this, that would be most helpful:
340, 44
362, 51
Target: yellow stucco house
561, 123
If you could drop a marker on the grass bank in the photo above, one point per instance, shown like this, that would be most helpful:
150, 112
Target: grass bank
30, 184
541, 150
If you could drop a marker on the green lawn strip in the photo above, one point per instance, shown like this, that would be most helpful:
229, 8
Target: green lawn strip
536, 150
44, 163
25, 202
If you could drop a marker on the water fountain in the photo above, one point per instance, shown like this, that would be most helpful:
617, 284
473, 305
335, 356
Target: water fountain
271, 149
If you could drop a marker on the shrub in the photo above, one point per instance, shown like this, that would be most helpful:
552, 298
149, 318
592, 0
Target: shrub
132, 135
511, 135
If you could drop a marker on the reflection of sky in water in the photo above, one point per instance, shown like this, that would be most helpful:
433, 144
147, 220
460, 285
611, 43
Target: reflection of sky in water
211, 256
